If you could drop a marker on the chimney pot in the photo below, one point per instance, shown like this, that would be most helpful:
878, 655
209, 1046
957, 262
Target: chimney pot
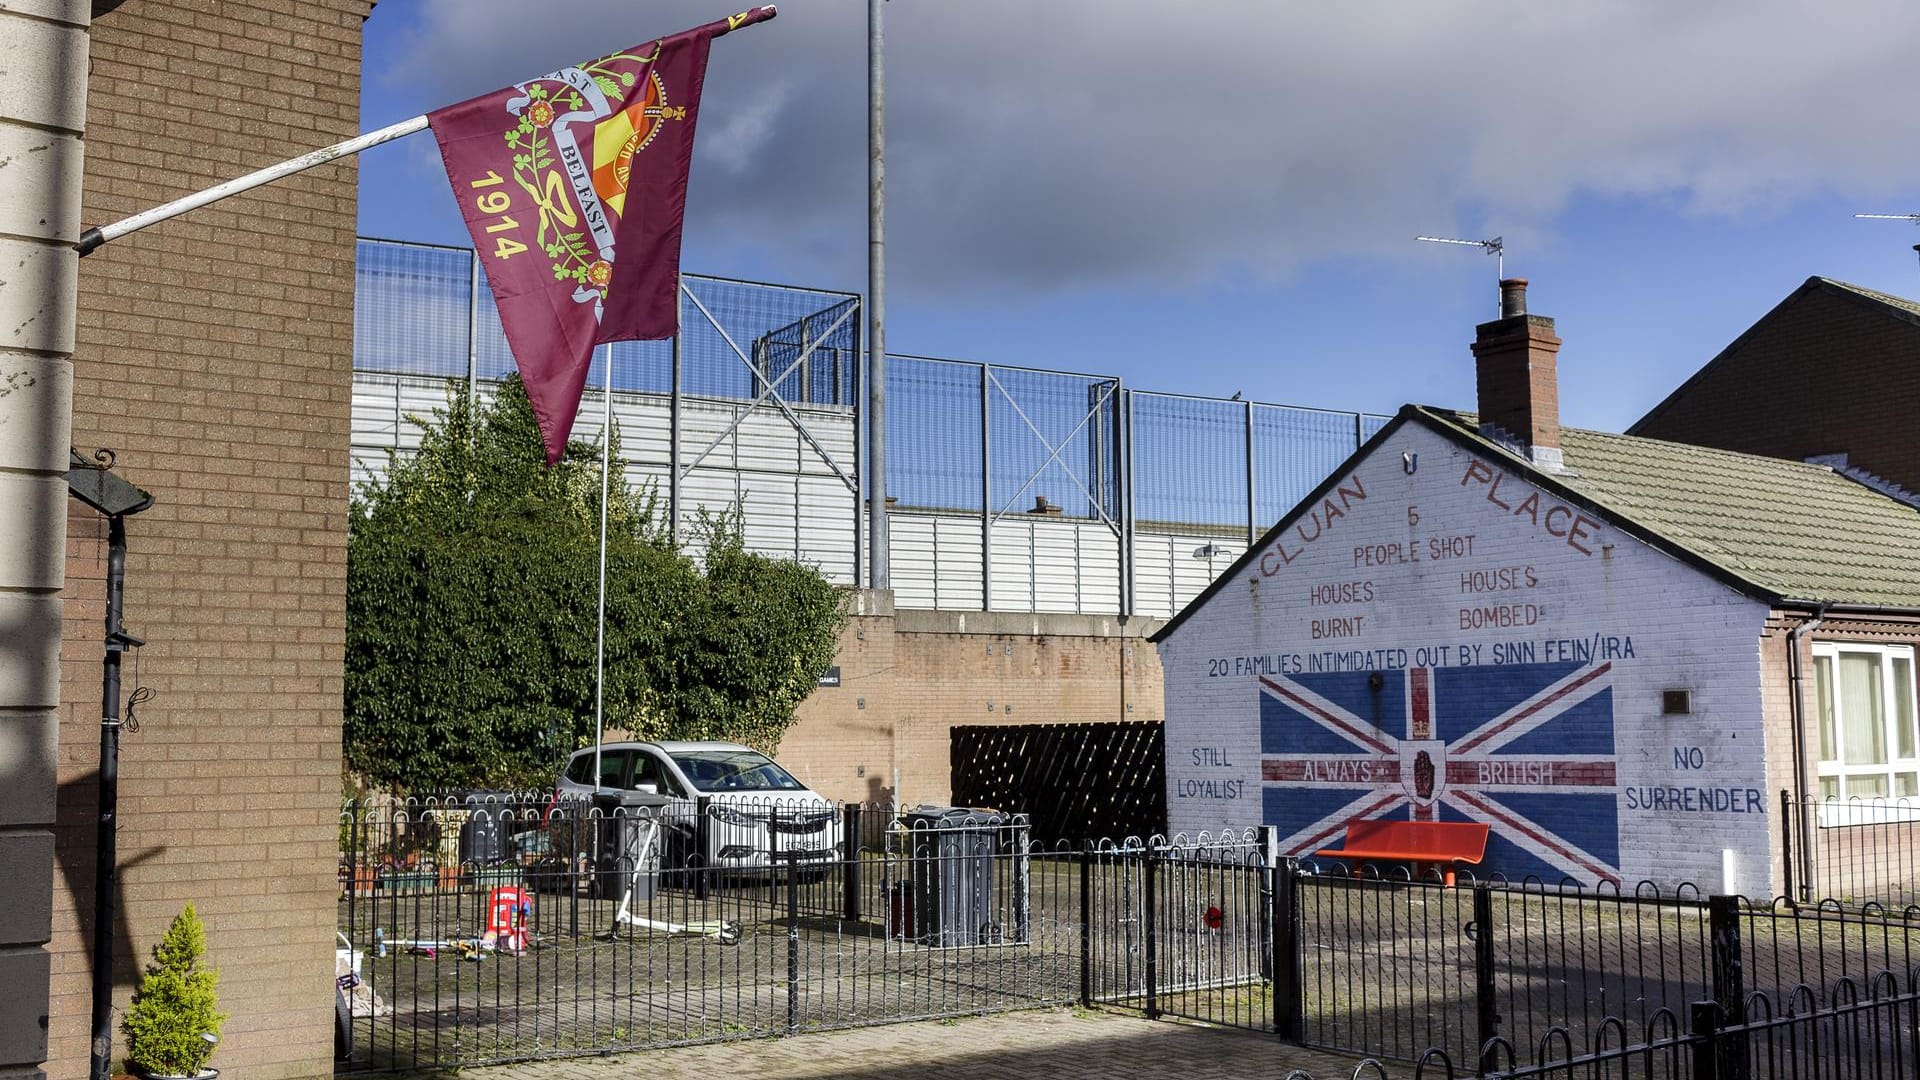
1513, 297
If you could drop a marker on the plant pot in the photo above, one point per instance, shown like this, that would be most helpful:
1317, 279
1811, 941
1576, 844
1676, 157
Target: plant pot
146, 1074
493, 876
402, 882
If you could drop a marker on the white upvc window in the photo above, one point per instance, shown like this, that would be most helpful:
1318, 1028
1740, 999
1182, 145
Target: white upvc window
1864, 707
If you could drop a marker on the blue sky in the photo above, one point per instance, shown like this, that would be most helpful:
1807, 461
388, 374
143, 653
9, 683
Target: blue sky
1222, 197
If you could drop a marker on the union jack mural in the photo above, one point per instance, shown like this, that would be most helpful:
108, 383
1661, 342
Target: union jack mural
1526, 748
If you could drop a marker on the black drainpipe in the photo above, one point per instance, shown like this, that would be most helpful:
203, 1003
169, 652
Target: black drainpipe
116, 500
1795, 712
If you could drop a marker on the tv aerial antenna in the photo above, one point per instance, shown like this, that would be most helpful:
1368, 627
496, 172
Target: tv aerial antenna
1913, 218
1495, 247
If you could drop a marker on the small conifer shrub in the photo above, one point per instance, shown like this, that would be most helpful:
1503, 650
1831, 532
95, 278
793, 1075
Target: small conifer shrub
176, 1007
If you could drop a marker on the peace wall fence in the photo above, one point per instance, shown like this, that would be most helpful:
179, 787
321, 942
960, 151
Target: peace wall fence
1011, 488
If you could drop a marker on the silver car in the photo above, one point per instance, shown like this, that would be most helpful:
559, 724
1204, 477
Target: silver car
755, 808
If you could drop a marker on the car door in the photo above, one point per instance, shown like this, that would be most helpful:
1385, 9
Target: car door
650, 773
614, 768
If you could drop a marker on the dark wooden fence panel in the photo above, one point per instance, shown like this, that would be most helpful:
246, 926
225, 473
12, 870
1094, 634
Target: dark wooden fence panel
1073, 781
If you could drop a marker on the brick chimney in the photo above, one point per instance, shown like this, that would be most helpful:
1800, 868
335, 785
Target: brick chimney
1516, 369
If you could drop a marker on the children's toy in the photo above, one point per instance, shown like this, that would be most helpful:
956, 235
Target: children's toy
509, 910
473, 948
723, 931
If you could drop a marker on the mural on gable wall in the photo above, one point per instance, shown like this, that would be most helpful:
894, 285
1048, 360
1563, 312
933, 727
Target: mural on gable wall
1440, 640
1526, 747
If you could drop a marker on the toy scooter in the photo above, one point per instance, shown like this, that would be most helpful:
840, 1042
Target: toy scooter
723, 931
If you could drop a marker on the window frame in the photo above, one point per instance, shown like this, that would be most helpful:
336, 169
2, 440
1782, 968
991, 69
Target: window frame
1841, 807
670, 784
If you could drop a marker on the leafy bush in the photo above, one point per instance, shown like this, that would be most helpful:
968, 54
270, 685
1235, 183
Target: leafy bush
471, 596
176, 1004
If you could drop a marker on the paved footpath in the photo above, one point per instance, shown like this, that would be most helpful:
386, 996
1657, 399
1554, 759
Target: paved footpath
1053, 1044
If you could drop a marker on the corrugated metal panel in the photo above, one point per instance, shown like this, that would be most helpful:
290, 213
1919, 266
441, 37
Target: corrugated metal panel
715, 489
913, 568
1056, 565
1099, 570
826, 514
773, 446
1012, 565
1168, 572
366, 466
957, 568
769, 514
376, 410
795, 504
644, 426
1153, 574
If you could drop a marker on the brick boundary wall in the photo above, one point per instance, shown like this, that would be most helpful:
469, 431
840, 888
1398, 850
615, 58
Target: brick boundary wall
214, 356
909, 678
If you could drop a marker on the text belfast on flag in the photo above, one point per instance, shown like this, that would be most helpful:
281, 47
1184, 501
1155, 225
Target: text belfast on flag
557, 174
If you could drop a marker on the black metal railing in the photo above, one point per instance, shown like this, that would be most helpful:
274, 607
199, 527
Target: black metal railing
1395, 967
1181, 928
1851, 1030
491, 929
1856, 851
504, 929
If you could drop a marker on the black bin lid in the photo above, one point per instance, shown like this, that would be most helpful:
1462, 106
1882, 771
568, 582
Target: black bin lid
953, 817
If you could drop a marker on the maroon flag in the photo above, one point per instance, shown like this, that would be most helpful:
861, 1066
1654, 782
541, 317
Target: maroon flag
557, 175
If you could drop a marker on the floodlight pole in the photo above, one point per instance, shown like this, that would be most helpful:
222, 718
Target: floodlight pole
876, 298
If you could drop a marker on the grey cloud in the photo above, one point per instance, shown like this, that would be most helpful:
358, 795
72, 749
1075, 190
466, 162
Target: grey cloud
1046, 145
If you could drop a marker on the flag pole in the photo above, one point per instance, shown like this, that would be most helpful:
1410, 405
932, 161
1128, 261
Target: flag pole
102, 234
600, 637
876, 299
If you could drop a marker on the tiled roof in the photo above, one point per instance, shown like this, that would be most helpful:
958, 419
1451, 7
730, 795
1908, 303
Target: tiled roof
1788, 529
1897, 302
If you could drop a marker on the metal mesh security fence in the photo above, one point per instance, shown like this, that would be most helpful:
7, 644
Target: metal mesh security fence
1295, 449
427, 310
1190, 461
737, 334
1022, 476
934, 441
411, 309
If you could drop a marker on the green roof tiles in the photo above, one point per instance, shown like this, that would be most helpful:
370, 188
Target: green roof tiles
1789, 530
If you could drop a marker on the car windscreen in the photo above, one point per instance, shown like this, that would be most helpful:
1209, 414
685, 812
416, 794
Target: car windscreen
734, 770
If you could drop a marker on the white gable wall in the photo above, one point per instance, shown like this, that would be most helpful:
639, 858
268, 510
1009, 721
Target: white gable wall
1521, 643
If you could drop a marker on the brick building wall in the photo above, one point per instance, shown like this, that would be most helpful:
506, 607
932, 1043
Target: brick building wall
1872, 856
214, 356
909, 678
1828, 371
1418, 608
1776, 698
